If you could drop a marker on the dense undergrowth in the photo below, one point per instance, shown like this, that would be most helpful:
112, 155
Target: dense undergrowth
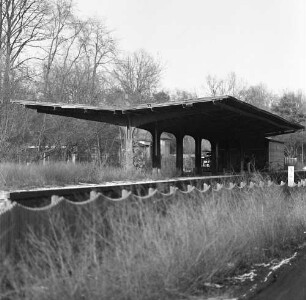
155, 250
18, 176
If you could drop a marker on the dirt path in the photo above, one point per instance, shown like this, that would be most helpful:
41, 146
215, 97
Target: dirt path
290, 284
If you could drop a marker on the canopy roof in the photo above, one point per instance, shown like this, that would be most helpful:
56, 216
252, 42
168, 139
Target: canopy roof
206, 117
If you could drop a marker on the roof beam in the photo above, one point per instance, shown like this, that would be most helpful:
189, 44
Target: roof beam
247, 114
111, 119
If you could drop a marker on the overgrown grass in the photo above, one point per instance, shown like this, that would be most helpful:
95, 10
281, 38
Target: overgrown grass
17, 176
157, 249
36, 175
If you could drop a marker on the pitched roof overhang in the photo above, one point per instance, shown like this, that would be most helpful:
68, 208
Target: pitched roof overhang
207, 117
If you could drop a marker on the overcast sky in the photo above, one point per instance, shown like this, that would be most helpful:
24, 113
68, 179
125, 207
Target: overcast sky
260, 40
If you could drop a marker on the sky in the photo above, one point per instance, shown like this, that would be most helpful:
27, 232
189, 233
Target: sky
262, 41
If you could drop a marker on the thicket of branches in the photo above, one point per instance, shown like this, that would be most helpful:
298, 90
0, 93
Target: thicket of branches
47, 53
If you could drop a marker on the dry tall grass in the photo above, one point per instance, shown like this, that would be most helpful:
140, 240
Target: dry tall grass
155, 250
18, 176
14, 175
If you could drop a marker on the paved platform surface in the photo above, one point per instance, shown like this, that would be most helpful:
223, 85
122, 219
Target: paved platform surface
288, 285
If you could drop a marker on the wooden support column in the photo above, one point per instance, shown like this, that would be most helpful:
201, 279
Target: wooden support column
128, 147
198, 154
156, 157
214, 156
213, 160
241, 157
179, 153
217, 156
228, 156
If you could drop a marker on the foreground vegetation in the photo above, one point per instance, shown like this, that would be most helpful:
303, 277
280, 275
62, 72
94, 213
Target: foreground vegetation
159, 249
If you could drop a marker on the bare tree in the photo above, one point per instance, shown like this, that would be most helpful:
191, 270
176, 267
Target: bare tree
22, 27
73, 62
100, 51
178, 95
138, 75
213, 86
23, 23
259, 96
79, 57
230, 85
60, 19
83, 62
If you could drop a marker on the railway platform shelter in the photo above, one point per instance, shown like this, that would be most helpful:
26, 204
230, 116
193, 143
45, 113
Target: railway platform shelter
236, 130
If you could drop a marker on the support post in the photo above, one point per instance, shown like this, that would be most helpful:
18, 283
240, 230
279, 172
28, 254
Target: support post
214, 156
198, 154
156, 157
228, 156
302, 148
217, 156
128, 147
179, 153
241, 157
291, 176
